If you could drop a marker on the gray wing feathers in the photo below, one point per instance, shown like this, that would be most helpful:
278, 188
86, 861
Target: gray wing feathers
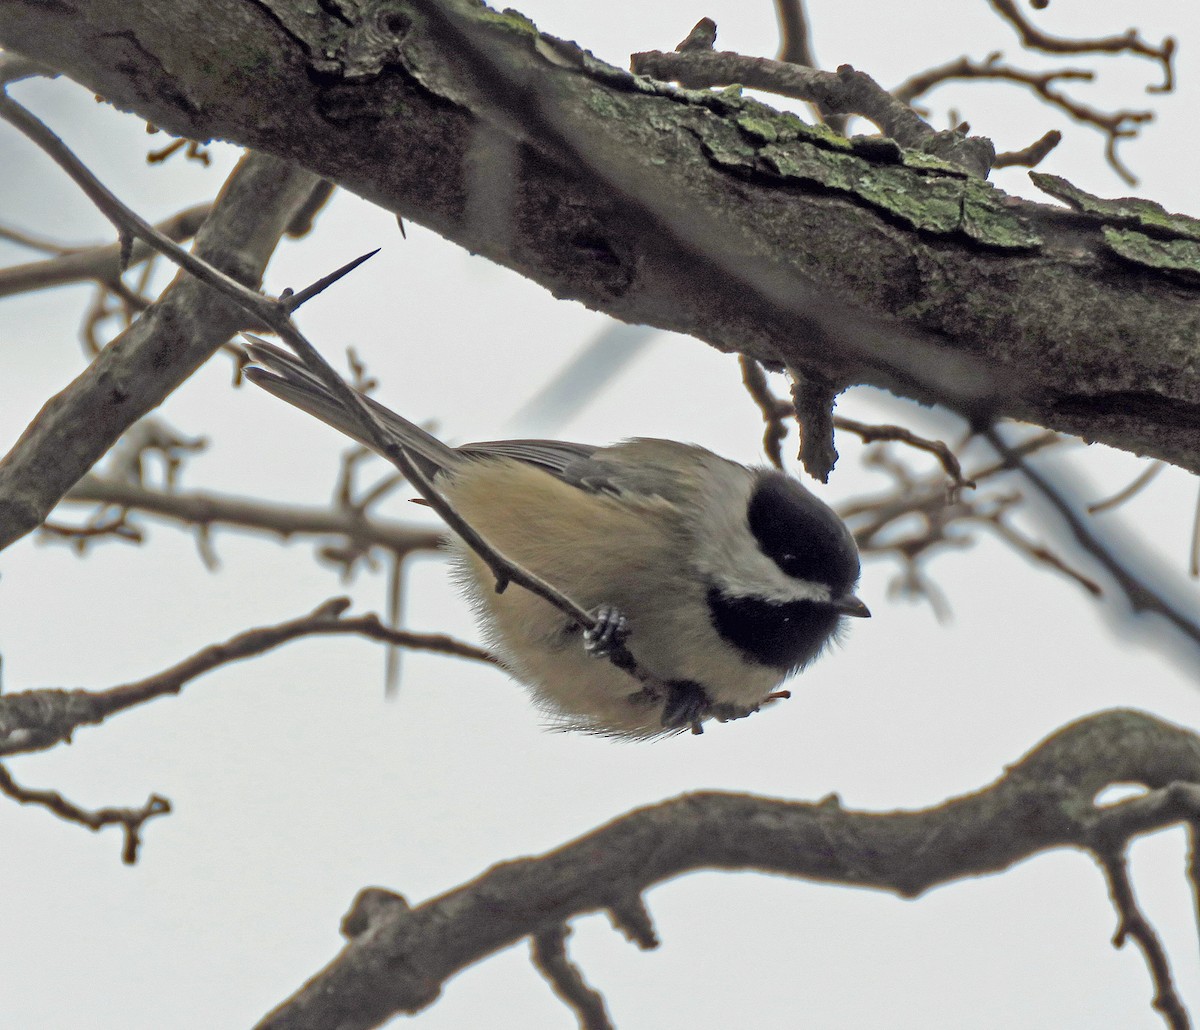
555, 456
289, 380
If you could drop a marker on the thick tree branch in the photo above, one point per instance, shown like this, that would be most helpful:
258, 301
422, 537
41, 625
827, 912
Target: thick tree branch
1043, 801
1048, 315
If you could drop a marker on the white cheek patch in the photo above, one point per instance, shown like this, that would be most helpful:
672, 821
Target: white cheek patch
728, 555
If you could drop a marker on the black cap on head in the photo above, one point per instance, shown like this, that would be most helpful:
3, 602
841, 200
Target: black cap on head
801, 534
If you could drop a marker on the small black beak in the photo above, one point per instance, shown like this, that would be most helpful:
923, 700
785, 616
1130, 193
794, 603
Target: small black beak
852, 606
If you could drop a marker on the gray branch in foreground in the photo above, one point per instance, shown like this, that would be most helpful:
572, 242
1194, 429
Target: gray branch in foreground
1095, 338
1043, 801
171, 339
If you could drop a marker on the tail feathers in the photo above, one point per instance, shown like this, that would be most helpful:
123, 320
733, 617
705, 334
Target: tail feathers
288, 379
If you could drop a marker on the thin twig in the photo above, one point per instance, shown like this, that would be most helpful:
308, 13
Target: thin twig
1133, 923
113, 527
35, 720
1116, 125
208, 510
1040, 553
1194, 563
34, 242
1130, 42
873, 433
184, 327
795, 42
631, 916
99, 264
394, 615
128, 223
1032, 155
775, 412
130, 820
846, 91
275, 314
1140, 595
1144, 479
1193, 866
549, 953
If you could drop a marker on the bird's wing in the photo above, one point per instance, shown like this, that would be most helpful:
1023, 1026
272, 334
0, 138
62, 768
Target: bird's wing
558, 457
575, 463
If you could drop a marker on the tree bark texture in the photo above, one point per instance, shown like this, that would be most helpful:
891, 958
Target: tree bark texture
701, 212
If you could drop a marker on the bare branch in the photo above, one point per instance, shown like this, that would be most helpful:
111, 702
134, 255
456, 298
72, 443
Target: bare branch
304, 219
632, 918
1043, 801
870, 434
36, 720
795, 44
128, 223
275, 314
549, 953
1143, 480
1116, 126
1043, 555
847, 91
1129, 42
813, 398
1032, 156
1133, 923
703, 267
211, 510
14, 68
701, 37
943, 519
171, 339
774, 411
131, 820
99, 527
95, 264
1140, 595
193, 151
1194, 562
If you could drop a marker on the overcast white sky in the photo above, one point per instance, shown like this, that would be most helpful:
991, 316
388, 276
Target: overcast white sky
295, 784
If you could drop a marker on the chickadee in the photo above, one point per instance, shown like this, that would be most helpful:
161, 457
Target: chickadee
730, 578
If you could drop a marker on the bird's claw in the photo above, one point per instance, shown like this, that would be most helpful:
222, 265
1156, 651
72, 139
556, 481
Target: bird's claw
608, 633
686, 705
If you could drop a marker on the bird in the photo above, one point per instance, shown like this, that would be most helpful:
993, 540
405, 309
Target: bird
720, 579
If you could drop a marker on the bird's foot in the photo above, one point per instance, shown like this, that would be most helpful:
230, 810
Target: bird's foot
686, 705
607, 634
